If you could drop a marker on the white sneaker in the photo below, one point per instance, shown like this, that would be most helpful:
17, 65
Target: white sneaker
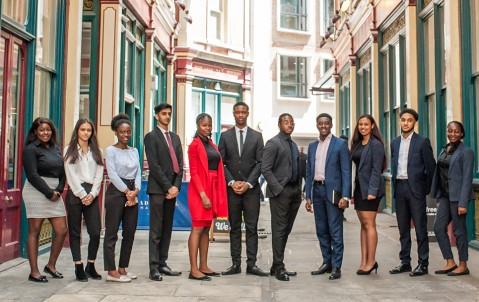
121, 279
130, 276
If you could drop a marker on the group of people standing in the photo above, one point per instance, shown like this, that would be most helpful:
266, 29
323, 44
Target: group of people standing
224, 183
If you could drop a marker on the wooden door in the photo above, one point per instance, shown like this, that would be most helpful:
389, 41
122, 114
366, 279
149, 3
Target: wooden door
12, 95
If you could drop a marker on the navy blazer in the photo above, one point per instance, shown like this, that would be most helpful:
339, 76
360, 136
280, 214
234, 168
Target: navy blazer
337, 171
420, 164
370, 169
459, 177
246, 167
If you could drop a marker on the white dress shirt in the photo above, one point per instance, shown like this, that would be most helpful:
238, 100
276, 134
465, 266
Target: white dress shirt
403, 156
84, 170
320, 158
237, 131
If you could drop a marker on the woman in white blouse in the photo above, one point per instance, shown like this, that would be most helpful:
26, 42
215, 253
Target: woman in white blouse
84, 172
123, 166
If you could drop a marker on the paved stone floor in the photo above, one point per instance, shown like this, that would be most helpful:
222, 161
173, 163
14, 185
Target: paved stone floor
302, 255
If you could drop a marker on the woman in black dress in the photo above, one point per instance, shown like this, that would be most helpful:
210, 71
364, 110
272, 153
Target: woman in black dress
43, 164
368, 156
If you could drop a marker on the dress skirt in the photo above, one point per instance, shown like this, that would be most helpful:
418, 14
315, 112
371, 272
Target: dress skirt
364, 204
37, 205
212, 193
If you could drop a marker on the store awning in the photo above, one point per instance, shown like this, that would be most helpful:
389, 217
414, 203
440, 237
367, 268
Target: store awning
325, 85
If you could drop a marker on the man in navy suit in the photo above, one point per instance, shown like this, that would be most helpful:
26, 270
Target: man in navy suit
328, 169
165, 161
241, 148
412, 165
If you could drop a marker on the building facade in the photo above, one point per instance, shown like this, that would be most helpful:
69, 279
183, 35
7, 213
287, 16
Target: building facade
422, 54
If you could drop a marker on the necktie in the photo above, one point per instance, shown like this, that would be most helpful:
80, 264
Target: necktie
174, 160
241, 142
294, 162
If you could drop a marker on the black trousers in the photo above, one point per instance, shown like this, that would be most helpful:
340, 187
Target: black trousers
162, 211
284, 208
116, 213
75, 210
246, 205
407, 207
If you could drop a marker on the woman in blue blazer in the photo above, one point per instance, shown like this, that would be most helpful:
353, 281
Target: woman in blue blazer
367, 154
452, 186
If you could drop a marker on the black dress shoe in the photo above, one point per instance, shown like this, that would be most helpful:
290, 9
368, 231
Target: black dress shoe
212, 274
324, 268
465, 272
401, 268
166, 270
420, 270
204, 278
335, 273
282, 275
289, 273
55, 275
445, 271
41, 278
155, 275
255, 270
232, 270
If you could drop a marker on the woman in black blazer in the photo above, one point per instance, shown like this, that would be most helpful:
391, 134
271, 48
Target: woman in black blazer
367, 154
452, 186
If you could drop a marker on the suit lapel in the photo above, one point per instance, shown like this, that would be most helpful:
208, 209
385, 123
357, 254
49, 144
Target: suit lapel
247, 139
455, 155
331, 146
312, 160
287, 148
161, 136
234, 140
411, 148
364, 153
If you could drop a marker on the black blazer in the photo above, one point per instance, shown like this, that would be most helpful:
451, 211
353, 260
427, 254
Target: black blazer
277, 164
162, 177
246, 167
420, 165
370, 169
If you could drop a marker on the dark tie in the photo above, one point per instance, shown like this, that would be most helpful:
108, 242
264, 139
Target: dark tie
294, 162
241, 142
174, 160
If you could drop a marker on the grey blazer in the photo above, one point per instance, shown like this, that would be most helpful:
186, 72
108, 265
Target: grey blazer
459, 177
370, 169
277, 164
246, 167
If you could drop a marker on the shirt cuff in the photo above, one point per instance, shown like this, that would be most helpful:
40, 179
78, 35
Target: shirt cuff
231, 183
249, 185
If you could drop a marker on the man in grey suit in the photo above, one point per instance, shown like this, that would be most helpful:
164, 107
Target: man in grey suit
165, 160
242, 151
281, 170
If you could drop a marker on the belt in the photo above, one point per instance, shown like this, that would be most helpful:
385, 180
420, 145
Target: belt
400, 180
320, 182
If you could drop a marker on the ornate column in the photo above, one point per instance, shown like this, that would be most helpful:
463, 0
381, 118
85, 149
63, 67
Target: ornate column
149, 69
375, 76
108, 69
412, 93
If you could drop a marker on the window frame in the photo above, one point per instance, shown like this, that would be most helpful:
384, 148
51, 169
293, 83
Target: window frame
302, 14
299, 85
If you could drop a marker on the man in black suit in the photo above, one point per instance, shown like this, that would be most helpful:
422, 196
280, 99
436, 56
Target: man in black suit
242, 151
165, 160
280, 168
413, 165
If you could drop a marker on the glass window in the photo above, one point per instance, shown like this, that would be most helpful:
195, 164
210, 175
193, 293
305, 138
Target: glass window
15, 84
293, 14
216, 20
327, 64
17, 9
327, 12
46, 33
397, 76
293, 77
128, 67
84, 108
42, 93
431, 107
211, 107
138, 76
2, 78
443, 46
227, 103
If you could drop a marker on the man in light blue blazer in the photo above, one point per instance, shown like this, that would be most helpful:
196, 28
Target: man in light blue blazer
328, 169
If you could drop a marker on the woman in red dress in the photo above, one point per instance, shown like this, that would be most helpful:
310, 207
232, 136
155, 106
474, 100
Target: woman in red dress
206, 195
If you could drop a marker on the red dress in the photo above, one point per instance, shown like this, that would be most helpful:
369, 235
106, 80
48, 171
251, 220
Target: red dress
212, 182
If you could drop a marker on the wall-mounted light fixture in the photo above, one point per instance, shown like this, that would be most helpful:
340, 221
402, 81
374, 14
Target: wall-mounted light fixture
184, 8
338, 21
218, 86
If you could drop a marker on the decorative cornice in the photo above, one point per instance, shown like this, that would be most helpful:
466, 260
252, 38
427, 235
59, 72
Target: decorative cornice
366, 57
394, 28
352, 59
374, 35
149, 34
336, 78
412, 3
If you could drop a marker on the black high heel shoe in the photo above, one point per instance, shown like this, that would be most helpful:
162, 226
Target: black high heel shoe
374, 268
55, 275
